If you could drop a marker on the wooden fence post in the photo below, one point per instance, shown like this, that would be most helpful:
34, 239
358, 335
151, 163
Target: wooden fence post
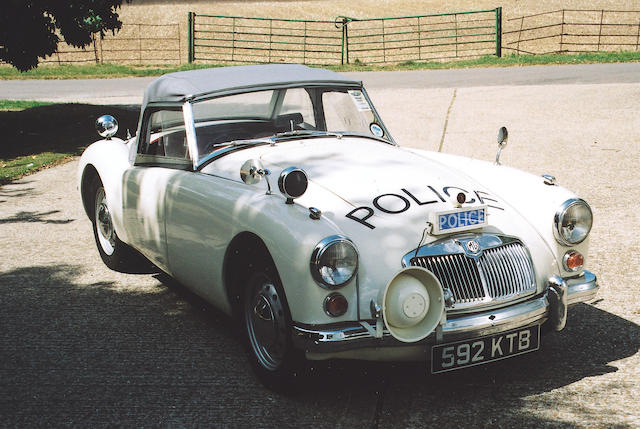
562, 32
600, 29
519, 35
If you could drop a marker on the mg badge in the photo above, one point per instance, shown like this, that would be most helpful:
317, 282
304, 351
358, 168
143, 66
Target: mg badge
473, 246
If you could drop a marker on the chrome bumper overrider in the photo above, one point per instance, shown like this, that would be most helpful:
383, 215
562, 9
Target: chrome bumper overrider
550, 305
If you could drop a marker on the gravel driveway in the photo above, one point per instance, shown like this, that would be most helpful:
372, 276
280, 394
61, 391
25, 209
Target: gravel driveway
84, 346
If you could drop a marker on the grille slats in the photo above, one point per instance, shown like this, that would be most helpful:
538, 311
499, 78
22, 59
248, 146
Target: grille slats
499, 273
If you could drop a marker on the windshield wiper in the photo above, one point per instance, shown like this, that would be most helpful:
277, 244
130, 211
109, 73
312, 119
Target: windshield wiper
310, 133
233, 143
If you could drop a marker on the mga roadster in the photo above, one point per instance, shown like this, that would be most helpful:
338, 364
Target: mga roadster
276, 193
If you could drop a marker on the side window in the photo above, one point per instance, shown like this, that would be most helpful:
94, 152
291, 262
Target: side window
297, 101
164, 137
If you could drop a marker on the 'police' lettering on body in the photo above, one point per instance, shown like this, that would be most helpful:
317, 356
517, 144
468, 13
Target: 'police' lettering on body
400, 202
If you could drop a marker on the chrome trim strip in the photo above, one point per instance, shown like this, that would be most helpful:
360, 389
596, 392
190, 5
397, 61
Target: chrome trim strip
557, 295
356, 335
190, 130
583, 288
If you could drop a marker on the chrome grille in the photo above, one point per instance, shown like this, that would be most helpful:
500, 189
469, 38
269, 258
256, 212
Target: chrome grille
499, 273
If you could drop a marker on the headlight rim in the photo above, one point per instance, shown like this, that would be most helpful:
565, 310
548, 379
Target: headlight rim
564, 207
316, 256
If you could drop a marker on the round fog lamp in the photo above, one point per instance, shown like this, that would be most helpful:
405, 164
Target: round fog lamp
573, 261
335, 305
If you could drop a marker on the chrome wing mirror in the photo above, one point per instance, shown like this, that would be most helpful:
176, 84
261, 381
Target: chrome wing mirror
503, 136
107, 126
252, 172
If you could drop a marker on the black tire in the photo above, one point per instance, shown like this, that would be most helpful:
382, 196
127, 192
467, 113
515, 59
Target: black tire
114, 253
267, 326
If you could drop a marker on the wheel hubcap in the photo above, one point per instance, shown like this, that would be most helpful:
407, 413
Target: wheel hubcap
266, 324
104, 226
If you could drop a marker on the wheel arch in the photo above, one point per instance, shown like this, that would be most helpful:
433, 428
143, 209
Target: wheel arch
245, 254
88, 175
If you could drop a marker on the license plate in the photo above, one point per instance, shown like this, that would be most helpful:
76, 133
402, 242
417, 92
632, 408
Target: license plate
477, 351
461, 219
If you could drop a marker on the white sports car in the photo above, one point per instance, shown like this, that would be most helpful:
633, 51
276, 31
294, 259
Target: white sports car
276, 193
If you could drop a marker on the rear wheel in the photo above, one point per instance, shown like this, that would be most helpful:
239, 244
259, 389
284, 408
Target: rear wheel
267, 322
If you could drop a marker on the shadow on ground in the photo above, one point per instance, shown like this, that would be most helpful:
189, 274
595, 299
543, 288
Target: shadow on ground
78, 352
58, 128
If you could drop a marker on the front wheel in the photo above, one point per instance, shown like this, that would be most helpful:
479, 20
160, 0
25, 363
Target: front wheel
267, 322
114, 253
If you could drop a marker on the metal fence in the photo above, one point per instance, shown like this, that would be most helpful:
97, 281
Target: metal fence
573, 31
231, 39
223, 39
134, 44
424, 37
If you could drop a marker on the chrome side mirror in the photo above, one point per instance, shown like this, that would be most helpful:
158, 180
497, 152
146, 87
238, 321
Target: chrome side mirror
252, 172
107, 126
503, 136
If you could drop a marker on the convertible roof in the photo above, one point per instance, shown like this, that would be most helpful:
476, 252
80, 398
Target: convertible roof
179, 86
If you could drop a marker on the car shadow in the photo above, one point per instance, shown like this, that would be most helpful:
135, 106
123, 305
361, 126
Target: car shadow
588, 347
145, 351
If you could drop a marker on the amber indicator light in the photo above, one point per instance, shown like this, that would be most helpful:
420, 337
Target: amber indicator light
335, 305
575, 260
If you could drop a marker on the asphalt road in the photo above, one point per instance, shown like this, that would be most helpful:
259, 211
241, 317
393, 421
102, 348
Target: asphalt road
129, 90
81, 345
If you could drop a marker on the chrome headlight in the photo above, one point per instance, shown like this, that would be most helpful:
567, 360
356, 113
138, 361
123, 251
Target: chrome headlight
572, 222
334, 262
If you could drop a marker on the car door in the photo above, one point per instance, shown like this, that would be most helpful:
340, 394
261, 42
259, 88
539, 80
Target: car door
162, 155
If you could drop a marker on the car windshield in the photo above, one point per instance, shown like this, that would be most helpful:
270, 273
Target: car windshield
271, 115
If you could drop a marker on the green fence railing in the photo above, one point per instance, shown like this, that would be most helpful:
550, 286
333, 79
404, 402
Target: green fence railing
214, 38
230, 39
424, 37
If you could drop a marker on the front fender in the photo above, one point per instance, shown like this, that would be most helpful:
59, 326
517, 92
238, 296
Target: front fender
110, 159
535, 201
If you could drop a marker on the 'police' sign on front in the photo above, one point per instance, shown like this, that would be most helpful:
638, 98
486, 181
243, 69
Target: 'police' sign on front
461, 219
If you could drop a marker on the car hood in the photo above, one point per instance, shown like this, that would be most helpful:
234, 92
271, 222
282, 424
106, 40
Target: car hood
368, 173
382, 196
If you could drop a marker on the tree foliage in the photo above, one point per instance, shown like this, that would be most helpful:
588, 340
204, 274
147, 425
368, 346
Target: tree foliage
31, 29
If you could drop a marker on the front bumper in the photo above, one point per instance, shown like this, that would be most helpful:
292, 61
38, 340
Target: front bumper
324, 341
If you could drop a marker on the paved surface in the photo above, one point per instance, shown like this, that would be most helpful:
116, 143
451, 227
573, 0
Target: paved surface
84, 346
129, 90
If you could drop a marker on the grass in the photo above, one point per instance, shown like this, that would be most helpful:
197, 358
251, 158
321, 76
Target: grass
115, 70
505, 61
93, 71
17, 105
38, 135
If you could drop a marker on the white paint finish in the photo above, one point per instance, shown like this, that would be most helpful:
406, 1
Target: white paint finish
203, 212
110, 159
